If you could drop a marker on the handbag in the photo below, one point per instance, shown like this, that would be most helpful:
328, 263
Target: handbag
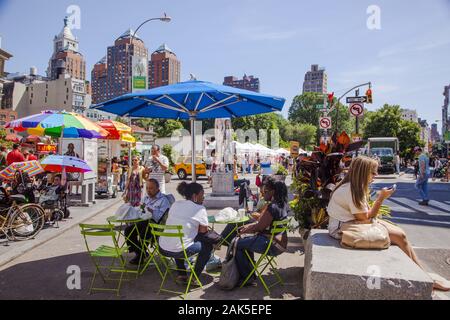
210, 236
365, 236
229, 276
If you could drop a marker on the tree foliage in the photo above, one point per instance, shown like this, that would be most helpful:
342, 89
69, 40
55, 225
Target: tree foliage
388, 122
162, 127
304, 133
303, 110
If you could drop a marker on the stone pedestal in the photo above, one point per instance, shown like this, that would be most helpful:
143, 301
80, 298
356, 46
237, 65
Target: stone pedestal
222, 195
222, 184
335, 273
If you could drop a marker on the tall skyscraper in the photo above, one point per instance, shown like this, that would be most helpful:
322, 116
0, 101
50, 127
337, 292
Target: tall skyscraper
164, 67
434, 133
315, 80
247, 82
99, 76
66, 55
118, 67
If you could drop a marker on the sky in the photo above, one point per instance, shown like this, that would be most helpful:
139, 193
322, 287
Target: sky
407, 57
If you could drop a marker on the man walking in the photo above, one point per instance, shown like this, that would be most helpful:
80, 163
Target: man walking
422, 175
397, 162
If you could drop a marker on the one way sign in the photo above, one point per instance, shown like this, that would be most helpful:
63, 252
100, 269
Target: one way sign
356, 99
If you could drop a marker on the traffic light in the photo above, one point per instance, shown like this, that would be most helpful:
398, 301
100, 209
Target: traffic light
330, 98
369, 95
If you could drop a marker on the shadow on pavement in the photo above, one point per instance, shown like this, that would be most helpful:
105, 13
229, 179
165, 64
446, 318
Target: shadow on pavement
47, 280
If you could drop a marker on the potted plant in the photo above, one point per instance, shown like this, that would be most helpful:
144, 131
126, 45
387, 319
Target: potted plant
315, 179
280, 172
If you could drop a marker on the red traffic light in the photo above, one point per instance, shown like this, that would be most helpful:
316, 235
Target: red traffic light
330, 97
369, 95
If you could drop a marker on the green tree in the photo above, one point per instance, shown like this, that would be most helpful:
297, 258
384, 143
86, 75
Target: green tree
384, 122
3, 141
304, 133
162, 127
387, 122
409, 137
303, 110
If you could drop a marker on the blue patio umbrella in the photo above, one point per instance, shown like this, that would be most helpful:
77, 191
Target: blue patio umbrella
193, 100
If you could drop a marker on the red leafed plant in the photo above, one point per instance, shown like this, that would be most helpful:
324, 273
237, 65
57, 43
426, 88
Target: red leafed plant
316, 177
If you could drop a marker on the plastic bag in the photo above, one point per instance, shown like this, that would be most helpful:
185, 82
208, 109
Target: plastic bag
227, 214
127, 212
27, 226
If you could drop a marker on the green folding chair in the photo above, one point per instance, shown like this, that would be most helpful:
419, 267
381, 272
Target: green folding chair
265, 260
151, 247
173, 231
98, 255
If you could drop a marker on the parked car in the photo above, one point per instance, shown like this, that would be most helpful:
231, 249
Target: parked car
183, 167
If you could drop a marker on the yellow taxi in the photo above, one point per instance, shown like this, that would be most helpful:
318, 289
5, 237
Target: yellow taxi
183, 167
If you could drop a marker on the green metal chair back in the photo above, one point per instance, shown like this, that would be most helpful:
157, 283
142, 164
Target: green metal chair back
98, 230
104, 251
277, 227
173, 231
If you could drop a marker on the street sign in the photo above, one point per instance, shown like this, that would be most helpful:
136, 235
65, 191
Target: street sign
325, 122
319, 106
356, 99
356, 109
356, 137
294, 146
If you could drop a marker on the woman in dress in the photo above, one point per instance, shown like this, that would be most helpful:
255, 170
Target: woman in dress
135, 183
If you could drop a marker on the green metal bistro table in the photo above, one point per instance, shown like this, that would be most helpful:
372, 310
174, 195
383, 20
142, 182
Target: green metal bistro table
237, 223
121, 231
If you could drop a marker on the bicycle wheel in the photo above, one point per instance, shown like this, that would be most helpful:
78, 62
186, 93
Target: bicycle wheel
26, 221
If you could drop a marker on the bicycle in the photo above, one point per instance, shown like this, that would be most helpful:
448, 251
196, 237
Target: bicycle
19, 221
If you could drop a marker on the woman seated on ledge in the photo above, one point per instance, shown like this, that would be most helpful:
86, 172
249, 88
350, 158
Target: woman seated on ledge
349, 202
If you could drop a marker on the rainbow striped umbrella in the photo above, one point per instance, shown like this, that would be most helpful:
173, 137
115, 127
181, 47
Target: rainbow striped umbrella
58, 124
56, 163
31, 167
117, 130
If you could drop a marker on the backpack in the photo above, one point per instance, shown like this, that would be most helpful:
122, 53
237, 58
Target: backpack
229, 276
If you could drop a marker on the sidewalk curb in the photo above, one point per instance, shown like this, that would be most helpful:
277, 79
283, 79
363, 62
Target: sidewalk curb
15, 253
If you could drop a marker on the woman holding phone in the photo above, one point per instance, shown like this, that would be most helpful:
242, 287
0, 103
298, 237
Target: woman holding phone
349, 203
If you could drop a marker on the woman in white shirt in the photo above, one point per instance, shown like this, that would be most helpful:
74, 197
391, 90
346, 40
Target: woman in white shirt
349, 204
190, 214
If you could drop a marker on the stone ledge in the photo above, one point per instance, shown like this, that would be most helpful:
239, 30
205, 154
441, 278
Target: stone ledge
332, 272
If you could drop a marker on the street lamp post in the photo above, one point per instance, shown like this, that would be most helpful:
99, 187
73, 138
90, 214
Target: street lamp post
165, 18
